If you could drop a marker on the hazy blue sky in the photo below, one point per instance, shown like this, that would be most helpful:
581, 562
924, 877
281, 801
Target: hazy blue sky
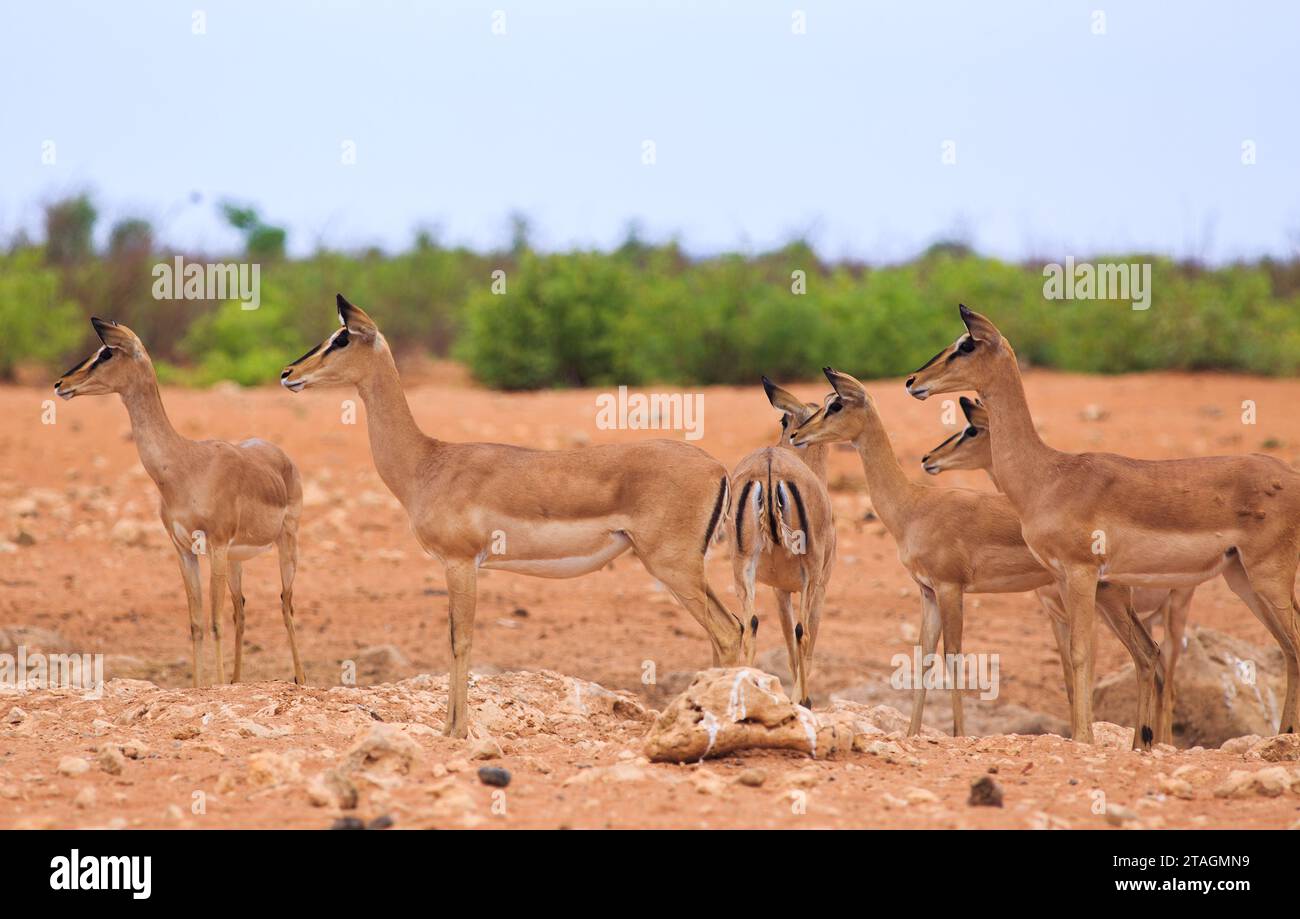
1067, 142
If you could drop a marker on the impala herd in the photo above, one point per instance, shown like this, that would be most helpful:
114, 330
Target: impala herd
1086, 532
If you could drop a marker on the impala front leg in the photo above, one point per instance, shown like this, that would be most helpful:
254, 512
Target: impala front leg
950, 615
462, 592
929, 641
194, 597
1079, 591
217, 589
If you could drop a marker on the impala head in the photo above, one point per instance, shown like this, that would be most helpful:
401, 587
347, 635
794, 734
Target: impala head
968, 363
119, 364
347, 356
793, 412
969, 448
840, 417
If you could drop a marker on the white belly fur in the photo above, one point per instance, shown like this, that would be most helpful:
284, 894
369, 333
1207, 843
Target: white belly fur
570, 566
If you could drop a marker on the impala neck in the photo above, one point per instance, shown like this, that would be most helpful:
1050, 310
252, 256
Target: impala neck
889, 487
1021, 461
396, 441
157, 442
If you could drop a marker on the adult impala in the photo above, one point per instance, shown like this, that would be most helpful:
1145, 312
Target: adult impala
1103, 518
228, 501
955, 541
548, 513
970, 448
783, 533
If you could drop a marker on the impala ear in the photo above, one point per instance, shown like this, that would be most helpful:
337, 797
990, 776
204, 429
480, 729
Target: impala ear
847, 388
117, 336
783, 401
354, 318
974, 411
979, 327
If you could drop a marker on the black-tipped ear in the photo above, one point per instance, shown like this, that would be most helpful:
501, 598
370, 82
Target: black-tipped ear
354, 318
844, 385
967, 405
978, 326
102, 327
343, 307
768, 387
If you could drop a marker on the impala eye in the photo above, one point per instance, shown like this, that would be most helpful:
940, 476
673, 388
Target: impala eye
967, 346
972, 431
834, 407
340, 341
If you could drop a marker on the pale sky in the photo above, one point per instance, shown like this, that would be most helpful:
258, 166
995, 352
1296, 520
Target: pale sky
1067, 142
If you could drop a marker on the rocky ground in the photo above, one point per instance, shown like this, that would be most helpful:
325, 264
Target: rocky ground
85, 567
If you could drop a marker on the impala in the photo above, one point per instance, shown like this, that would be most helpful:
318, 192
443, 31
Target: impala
954, 541
547, 513
970, 448
783, 533
1096, 518
228, 501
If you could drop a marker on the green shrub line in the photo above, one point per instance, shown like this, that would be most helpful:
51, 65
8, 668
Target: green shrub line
642, 314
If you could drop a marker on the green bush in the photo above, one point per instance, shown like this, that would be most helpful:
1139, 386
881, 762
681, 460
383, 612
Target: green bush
36, 322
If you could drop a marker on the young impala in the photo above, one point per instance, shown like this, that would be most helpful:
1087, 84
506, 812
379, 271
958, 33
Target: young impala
783, 533
1103, 518
228, 501
548, 513
954, 541
970, 448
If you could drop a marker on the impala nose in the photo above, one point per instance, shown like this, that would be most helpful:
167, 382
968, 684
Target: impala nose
910, 381
284, 374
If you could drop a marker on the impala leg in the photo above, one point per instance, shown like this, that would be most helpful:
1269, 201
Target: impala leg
1080, 595
194, 597
462, 592
929, 641
687, 582
235, 572
1116, 606
217, 559
950, 616
816, 593
287, 549
1049, 598
1175, 611
744, 572
785, 610
1268, 589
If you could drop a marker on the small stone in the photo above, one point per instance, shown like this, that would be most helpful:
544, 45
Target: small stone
16, 715
985, 792
485, 748
752, 778
382, 822
1118, 815
494, 776
920, 796
1172, 785
86, 797
99, 727
73, 765
111, 759
348, 823
457, 765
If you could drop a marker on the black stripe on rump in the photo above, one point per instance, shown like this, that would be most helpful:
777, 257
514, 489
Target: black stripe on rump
803, 517
717, 511
740, 515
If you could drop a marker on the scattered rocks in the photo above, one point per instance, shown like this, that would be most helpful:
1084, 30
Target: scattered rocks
111, 758
382, 744
985, 791
495, 776
1281, 748
1270, 782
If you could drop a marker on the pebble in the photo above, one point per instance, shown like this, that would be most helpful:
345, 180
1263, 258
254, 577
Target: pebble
985, 792
73, 765
494, 776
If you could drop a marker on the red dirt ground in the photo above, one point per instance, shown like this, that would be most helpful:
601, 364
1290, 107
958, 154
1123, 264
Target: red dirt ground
363, 583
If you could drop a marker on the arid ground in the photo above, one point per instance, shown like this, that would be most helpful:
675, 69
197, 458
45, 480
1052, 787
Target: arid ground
85, 566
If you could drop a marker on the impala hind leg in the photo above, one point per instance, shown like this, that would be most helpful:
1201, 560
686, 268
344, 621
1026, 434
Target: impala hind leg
785, 611
1116, 606
1268, 588
235, 579
462, 593
950, 616
686, 581
930, 622
217, 559
287, 550
1175, 611
1079, 592
1050, 600
744, 572
811, 601
194, 597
